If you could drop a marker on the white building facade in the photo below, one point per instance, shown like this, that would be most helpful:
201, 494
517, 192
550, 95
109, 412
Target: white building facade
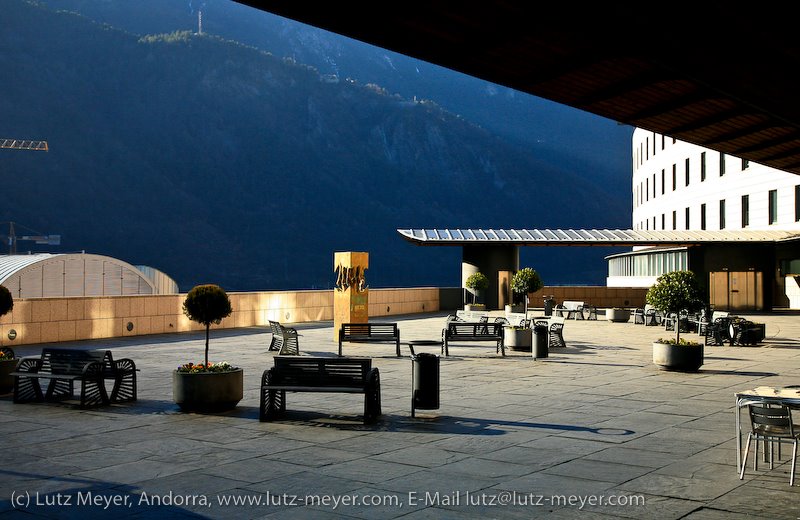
684, 187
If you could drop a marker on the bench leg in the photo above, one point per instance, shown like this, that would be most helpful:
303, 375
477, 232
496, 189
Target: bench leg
27, 389
398, 348
124, 388
93, 393
59, 389
273, 404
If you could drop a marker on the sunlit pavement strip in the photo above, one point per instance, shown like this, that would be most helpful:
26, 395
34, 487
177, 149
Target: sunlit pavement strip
593, 431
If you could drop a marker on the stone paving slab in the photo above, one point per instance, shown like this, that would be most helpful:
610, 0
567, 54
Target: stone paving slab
594, 419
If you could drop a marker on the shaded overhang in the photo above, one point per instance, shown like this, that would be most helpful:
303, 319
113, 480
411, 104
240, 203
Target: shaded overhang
590, 237
716, 74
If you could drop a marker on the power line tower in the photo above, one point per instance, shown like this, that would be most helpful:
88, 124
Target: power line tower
36, 146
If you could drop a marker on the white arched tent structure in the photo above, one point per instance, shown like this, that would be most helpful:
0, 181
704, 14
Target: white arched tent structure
47, 275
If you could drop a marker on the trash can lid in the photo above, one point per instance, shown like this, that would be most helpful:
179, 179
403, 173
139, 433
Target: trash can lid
425, 355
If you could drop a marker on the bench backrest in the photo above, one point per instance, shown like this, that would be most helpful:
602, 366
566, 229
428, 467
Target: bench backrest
462, 328
369, 330
73, 361
274, 327
321, 371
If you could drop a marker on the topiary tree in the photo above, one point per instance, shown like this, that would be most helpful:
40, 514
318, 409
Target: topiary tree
524, 282
674, 292
476, 282
6, 303
207, 304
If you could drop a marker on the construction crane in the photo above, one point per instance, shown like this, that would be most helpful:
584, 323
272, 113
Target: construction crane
51, 240
24, 144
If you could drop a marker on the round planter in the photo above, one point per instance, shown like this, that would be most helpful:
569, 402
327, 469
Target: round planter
6, 381
208, 392
515, 308
474, 307
618, 315
518, 339
683, 358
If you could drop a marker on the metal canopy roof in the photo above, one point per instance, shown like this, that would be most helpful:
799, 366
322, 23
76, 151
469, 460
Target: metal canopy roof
588, 237
717, 74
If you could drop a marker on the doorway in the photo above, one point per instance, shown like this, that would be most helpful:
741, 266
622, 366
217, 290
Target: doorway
736, 290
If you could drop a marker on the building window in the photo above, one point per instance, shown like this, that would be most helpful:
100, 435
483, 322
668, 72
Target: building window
773, 206
674, 220
654, 223
674, 176
745, 164
647, 148
721, 164
663, 222
647, 189
722, 214
663, 183
654, 185
687, 218
687, 171
797, 203
702, 166
745, 210
662, 142
654, 144
702, 216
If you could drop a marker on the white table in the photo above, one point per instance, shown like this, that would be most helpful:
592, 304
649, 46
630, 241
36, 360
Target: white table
789, 396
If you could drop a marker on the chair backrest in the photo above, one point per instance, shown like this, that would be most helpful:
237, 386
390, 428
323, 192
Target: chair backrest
774, 420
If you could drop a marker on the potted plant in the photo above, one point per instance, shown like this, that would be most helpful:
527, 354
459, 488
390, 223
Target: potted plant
207, 387
7, 360
476, 282
672, 293
524, 282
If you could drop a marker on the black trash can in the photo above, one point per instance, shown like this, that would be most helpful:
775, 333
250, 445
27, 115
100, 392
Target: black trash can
425, 382
549, 304
539, 342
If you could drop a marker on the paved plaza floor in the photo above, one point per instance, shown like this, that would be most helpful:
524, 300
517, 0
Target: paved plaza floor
594, 431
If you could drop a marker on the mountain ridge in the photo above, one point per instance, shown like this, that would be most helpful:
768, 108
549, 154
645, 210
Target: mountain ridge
213, 160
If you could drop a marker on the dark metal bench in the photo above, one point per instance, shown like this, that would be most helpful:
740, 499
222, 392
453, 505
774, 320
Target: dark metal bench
319, 374
464, 331
284, 339
370, 333
63, 367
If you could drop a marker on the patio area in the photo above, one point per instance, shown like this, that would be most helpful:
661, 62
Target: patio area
593, 431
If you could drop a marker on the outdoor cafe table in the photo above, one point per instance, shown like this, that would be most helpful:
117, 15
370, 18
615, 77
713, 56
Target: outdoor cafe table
789, 396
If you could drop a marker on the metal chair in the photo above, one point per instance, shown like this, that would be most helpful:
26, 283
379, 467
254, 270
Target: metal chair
770, 423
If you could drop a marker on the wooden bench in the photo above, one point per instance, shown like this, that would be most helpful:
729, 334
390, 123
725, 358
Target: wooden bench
284, 339
63, 367
319, 374
465, 331
370, 333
